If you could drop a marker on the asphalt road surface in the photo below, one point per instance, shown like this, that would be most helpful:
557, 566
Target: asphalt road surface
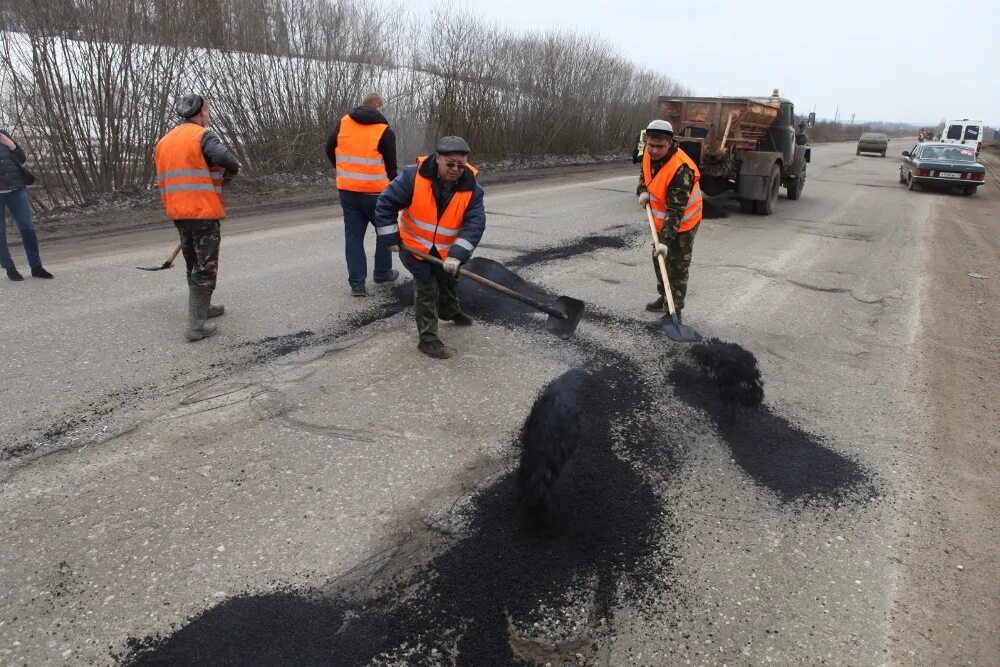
306, 488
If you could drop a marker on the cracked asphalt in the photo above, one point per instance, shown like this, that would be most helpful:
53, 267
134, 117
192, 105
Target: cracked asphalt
149, 485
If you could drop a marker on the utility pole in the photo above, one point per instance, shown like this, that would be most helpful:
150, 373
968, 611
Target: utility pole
836, 114
852, 118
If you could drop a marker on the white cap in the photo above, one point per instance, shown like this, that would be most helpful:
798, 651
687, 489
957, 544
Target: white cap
660, 126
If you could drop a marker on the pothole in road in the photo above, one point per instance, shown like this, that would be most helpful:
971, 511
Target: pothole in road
517, 588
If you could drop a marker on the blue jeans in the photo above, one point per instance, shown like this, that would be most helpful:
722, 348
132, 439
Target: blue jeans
20, 208
359, 212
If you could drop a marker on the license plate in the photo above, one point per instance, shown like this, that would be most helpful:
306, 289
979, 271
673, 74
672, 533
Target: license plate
949, 174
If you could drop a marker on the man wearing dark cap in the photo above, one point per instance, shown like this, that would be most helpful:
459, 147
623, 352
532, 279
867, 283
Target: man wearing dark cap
191, 166
362, 150
435, 206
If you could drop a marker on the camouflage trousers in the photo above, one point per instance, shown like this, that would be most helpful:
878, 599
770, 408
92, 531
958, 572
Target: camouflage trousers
434, 298
679, 252
200, 241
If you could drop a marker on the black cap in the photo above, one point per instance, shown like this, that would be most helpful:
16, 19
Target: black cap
189, 105
448, 145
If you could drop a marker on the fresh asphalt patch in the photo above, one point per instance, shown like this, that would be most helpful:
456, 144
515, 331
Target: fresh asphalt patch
579, 524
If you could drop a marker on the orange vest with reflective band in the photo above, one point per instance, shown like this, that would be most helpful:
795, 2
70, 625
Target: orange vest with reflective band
189, 188
360, 167
657, 188
419, 225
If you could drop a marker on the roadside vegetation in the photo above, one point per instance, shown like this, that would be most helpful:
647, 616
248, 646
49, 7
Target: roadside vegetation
88, 85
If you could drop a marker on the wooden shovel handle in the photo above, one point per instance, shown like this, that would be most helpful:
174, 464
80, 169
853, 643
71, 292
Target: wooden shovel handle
662, 264
554, 312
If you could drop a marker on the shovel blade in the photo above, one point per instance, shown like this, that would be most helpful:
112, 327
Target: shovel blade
677, 332
572, 310
165, 265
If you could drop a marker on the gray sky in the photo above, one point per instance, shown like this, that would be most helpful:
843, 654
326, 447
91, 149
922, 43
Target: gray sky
913, 61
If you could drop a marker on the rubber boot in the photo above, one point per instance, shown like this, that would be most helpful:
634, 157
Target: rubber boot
198, 304
216, 310
656, 305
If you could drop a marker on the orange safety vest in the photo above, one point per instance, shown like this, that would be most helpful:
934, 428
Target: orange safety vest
189, 188
419, 224
360, 167
657, 188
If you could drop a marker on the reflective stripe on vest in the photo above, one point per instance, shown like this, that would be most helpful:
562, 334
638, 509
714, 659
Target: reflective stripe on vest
189, 188
360, 167
416, 228
657, 188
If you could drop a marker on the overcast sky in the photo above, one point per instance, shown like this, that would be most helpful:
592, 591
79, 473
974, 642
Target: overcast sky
912, 61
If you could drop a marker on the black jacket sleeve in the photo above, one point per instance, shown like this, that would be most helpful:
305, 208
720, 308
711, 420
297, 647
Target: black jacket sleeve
331, 145
18, 153
387, 147
216, 153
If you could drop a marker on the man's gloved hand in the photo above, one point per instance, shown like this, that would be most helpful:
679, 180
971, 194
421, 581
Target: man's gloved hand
660, 250
644, 200
451, 266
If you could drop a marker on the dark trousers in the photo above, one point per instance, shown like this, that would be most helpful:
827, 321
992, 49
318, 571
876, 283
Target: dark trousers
434, 298
200, 240
20, 207
679, 252
359, 212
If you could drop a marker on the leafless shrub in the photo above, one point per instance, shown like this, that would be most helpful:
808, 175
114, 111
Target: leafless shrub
94, 80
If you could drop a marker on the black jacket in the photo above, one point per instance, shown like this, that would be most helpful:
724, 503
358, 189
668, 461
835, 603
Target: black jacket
386, 145
11, 177
216, 154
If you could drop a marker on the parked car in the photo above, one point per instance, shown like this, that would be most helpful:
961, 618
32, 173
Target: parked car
964, 131
873, 142
942, 165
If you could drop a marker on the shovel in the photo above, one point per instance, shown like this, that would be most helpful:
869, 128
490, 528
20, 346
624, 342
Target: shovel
564, 313
675, 331
166, 265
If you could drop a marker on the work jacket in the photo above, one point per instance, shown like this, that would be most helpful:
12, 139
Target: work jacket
190, 188
451, 222
360, 166
657, 187
424, 226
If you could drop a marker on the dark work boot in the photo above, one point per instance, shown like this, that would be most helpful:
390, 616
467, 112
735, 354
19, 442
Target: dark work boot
393, 275
14, 274
41, 273
198, 304
216, 311
435, 348
359, 290
461, 320
656, 305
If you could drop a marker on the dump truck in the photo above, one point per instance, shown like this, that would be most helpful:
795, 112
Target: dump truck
742, 144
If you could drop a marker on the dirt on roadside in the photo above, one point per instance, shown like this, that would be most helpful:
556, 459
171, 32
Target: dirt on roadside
947, 610
131, 210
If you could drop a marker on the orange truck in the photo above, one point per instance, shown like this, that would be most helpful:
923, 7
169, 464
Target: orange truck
745, 145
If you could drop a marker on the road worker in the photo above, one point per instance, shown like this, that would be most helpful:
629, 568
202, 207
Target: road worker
192, 164
669, 185
435, 206
362, 149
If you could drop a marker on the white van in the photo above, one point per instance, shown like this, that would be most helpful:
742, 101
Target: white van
964, 131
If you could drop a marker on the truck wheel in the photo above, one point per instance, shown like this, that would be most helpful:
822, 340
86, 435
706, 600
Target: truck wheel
794, 189
766, 207
747, 206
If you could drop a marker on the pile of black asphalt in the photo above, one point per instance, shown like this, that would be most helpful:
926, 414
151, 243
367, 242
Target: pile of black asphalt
581, 511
